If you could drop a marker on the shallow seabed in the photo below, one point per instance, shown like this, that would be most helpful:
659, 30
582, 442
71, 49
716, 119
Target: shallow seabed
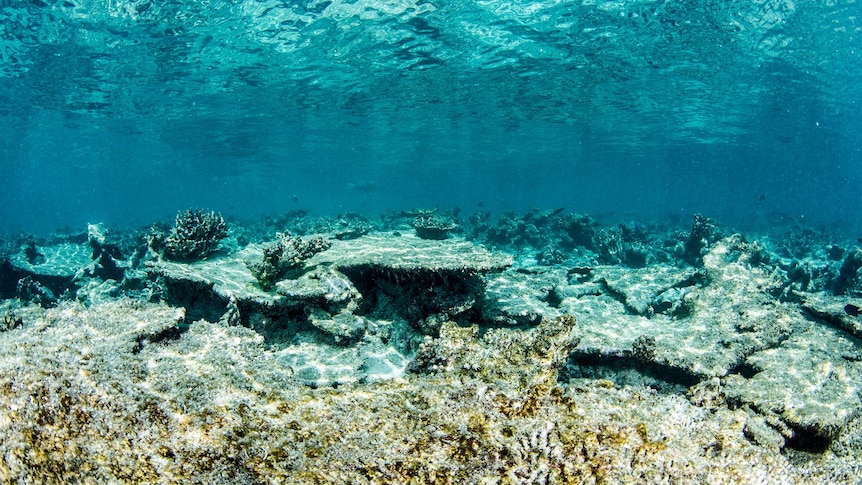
543, 347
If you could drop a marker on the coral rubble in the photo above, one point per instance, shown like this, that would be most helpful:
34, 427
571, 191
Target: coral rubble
341, 352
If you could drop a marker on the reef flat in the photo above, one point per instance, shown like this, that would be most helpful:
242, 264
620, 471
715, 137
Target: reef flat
421, 347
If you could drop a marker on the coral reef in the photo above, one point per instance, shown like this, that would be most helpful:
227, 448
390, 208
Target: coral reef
574, 352
703, 233
524, 358
350, 226
579, 230
376, 288
433, 227
31, 254
517, 231
617, 245
85, 266
285, 258
32, 291
143, 403
425, 282
849, 278
559, 238
195, 235
551, 255
108, 260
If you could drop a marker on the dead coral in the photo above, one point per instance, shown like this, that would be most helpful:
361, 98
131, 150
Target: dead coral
195, 236
350, 226
702, 235
31, 290
433, 227
10, 322
849, 280
522, 356
285, 258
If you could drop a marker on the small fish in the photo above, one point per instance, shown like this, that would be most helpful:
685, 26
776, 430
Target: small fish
294, 198
851, 310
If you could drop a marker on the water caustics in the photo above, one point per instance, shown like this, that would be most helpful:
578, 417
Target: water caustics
467, 95
387, 241
700, 71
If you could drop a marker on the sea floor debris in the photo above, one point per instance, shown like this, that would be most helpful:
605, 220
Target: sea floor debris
387, 357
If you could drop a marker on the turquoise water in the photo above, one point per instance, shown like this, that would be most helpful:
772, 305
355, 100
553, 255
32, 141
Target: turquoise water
124, 112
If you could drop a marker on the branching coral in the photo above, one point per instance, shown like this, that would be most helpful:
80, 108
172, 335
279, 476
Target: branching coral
195, 236
10, 322
288, 254
703, 233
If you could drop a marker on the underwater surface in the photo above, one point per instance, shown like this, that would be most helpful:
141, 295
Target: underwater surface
124, 112
430, 242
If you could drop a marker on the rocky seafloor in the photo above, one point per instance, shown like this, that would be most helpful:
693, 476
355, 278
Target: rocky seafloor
427, 347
